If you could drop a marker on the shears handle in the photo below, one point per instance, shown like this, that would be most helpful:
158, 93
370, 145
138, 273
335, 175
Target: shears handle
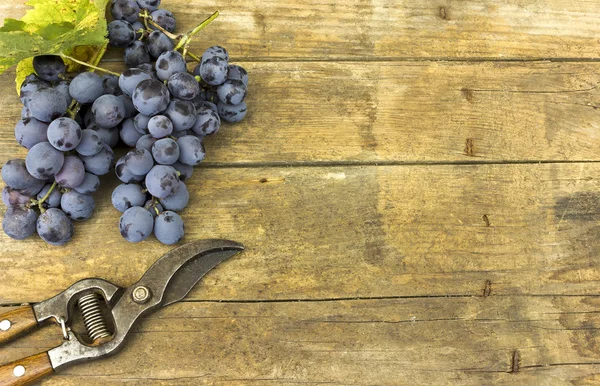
16, 322
26, 370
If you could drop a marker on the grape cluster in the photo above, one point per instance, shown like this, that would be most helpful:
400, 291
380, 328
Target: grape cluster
155, 106
175, 109
52, 186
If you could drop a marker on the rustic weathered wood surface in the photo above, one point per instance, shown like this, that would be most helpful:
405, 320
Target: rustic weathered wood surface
417, 185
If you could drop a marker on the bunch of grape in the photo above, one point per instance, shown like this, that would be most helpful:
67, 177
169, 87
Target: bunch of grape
176, 110
63, 162
155, 106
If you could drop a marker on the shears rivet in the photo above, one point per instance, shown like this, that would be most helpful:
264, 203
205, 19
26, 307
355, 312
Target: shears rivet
19, 371
141, 294
5, 325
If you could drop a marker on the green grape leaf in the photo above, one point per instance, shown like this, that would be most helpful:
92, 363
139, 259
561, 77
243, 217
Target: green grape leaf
52, 27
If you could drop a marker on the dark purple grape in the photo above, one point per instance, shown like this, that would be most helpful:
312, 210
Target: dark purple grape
158, 43
145, 142
53, 199
232, 92
169, 63
120, 33
181, 113
139, 161
108, 111
129, 135
191, 150
43, 161
231, 113
64, 134
54, 227
150, 97
30, 131
71, 174
14, 197
207, 122
127, 10
19, 222
135, 54
237, 72
90, 143
49, 67
165, 151
161, 181
160, 126
163, 18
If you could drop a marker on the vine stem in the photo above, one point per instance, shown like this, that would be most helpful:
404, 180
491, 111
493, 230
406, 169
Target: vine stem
43, 199
90, 65
185, 40
161, 29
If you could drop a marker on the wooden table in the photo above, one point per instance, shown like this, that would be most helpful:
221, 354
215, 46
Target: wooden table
418, 188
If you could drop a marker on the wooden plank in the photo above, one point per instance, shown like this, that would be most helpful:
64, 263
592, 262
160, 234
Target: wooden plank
387, 29
451, 341
399, 112
390, 29
329, 232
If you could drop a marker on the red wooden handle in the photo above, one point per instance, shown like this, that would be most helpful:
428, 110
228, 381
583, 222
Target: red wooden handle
26, 370
16, 322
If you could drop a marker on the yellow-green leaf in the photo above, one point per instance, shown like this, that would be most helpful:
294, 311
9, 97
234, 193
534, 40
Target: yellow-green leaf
24, 68
52, 27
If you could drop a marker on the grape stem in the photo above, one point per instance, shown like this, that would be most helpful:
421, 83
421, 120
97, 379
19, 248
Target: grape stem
43, 199
90, 65
187, 38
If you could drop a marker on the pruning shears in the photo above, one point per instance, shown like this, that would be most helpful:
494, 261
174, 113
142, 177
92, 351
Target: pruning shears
108, 311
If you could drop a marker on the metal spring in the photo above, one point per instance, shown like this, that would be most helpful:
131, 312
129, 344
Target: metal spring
96, 327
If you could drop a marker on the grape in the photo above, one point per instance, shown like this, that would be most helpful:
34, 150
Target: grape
165, 151
30, 131
15, 175
109, 136
140, 122
30, 84
191, 150
161, 181
148, 68
237, 72
150, 5
14, 197
130, 78
63, 88
127, 10
183, 85
152, 207
169, 63
101, 163
168, 227
232, 92
185, 171
25, 113
124, 174
120, 33
108, 111
19, 222
90, 184
145, 142
160, 126
181, 113
207, 122
136, 224
34, 189
219, 51
213, 70
231, 113
128, 133
77, 206
136, 53
88, 118
64, 134
110, 84
43, 161
71, 174
49, 67
163, 18
53, 200
86, 87
139, 161
178, 200
182, 133
137, 26
212, 106
150, 97
127, 195
209, 94
54, 227
130, 110
90, 143
158, 43
47, 104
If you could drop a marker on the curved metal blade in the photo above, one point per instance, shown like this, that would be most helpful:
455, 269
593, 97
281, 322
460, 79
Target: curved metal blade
188, 275
174, 275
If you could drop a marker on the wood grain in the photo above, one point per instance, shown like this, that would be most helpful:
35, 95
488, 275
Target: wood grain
21, 320
347, 232
399, 112
276, 30
420, 341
